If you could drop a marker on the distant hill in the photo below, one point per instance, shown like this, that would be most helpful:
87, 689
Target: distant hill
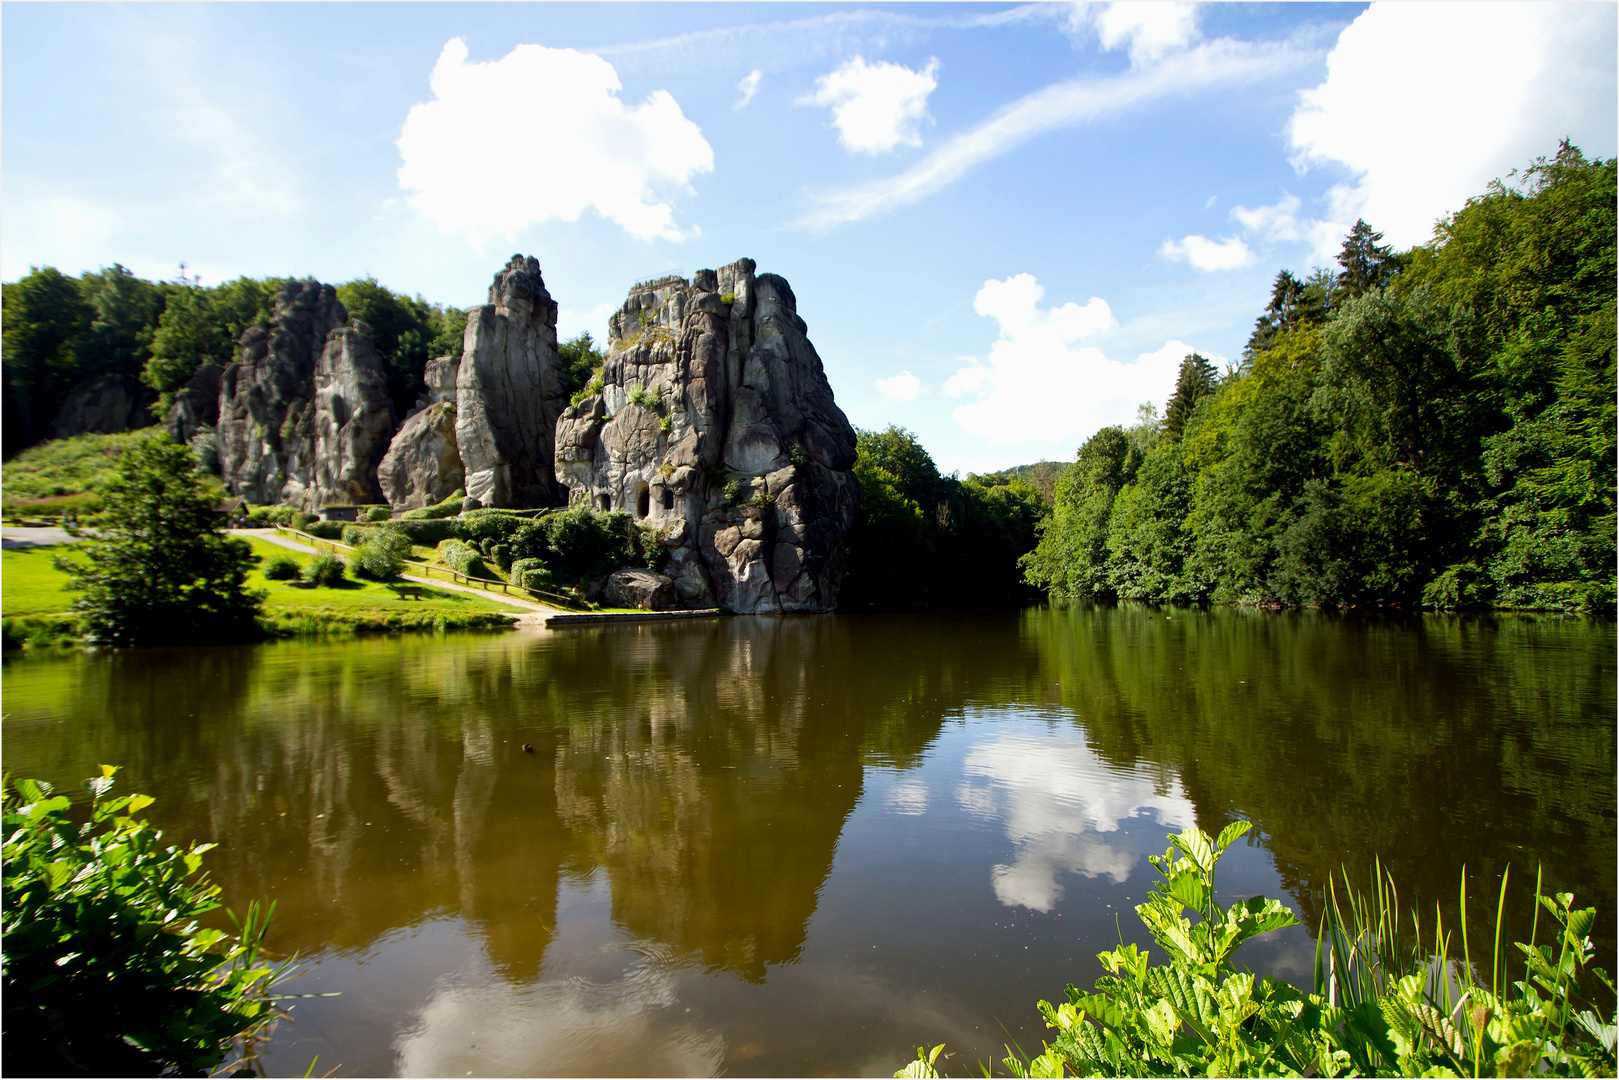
1041, 475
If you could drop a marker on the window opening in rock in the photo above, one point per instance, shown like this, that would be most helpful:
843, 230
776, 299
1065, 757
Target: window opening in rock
606, 501
668, 498
643, 503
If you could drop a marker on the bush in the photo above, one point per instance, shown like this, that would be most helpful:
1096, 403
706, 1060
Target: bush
382, 553
301, 520
580, 543
280, 568
325, 569
426, 532
261, 517
488, 526
538, 579
378, 513
106, 969
1382, 1005
522, 566
462, 557
448, 508
326, 530
353, 535
501, 554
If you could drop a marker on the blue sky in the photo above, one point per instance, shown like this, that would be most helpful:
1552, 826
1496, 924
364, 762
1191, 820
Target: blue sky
1004, 224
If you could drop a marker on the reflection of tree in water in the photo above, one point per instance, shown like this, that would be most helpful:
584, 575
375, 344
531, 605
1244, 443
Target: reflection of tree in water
366, 785
1430, 743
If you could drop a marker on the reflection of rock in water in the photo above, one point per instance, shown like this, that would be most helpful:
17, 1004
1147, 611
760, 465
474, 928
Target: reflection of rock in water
369, 785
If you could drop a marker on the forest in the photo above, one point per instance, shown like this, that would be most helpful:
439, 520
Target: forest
1432, 428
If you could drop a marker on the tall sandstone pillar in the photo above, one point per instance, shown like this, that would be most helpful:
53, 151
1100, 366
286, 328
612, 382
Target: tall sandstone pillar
509, 391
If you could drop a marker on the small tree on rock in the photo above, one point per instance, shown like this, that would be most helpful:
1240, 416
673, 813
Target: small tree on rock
159, 570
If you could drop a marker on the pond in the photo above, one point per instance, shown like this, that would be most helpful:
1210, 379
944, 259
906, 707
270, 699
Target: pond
806, 845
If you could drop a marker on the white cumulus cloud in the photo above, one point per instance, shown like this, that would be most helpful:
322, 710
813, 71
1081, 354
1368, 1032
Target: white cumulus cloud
541, 134
1148, 30
1482, 89
1205, 254
1040, 377
747, 88
902, 387
875, 107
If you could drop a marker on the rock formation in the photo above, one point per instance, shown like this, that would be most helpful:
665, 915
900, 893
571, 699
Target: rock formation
104, 405
715, 423
423, 464
353, 418
509, 391
304, 414
196, 405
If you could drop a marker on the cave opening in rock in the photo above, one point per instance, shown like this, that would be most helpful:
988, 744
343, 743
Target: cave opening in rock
668, 498
606, 501
643, 503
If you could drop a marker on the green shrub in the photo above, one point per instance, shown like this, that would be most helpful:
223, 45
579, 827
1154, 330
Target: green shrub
501, 554
326, 530
261, 517
426, 532
522, 566
462, 557
378, 513
488, 526
538, 579
733, 492
106, 968
325, 569
590, 389
280, 568
728, 298
352, 534
381, 554
580, 543
301, 520
1383, 1004
448, 508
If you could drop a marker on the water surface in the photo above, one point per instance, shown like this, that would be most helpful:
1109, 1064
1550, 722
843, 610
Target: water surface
806, 845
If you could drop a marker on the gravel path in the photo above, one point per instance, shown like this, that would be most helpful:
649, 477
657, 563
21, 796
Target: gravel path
17, 536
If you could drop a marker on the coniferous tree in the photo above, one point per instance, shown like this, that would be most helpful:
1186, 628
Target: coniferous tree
1194, 383
159, 570
1367, 265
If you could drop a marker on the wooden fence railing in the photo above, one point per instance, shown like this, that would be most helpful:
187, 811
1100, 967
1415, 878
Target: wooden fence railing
429, 569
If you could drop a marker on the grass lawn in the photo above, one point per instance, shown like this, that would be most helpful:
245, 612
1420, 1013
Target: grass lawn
30, 585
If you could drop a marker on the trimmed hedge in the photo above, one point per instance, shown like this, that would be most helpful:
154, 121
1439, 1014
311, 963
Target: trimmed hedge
463, 558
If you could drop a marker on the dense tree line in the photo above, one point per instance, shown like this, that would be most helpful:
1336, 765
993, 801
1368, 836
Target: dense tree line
61, 331
1431, 428
926, 540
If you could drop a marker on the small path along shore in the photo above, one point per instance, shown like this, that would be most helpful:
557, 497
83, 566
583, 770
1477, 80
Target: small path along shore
538, 612
27, 536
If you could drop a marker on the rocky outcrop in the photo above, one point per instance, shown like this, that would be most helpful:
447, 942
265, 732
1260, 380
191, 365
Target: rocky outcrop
195, 406
353, 418
267, 421
509, 392
640, 589
104, 405
423, 465
715, 423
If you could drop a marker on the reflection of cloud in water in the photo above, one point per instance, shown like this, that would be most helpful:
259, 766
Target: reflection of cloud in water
572, 1027
908, 797
1053, 795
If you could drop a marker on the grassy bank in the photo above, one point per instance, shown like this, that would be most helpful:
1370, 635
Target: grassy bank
35, 602
64, 475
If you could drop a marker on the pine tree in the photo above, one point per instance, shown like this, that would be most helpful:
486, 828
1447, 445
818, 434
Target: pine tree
1367, 265
1194, 383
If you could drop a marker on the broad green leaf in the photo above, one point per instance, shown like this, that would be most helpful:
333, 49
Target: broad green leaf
1232, 833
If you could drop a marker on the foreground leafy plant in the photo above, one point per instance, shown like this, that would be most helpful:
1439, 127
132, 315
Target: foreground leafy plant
106, 969
1383, 1004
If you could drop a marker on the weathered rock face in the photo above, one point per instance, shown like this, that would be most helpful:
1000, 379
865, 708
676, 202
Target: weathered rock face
423, 465
509, 391
104, 405
640, 589
267, 421
716, 423
196, 405
353, 418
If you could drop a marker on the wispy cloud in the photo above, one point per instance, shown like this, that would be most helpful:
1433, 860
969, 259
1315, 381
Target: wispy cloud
748, 87
1061, 105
